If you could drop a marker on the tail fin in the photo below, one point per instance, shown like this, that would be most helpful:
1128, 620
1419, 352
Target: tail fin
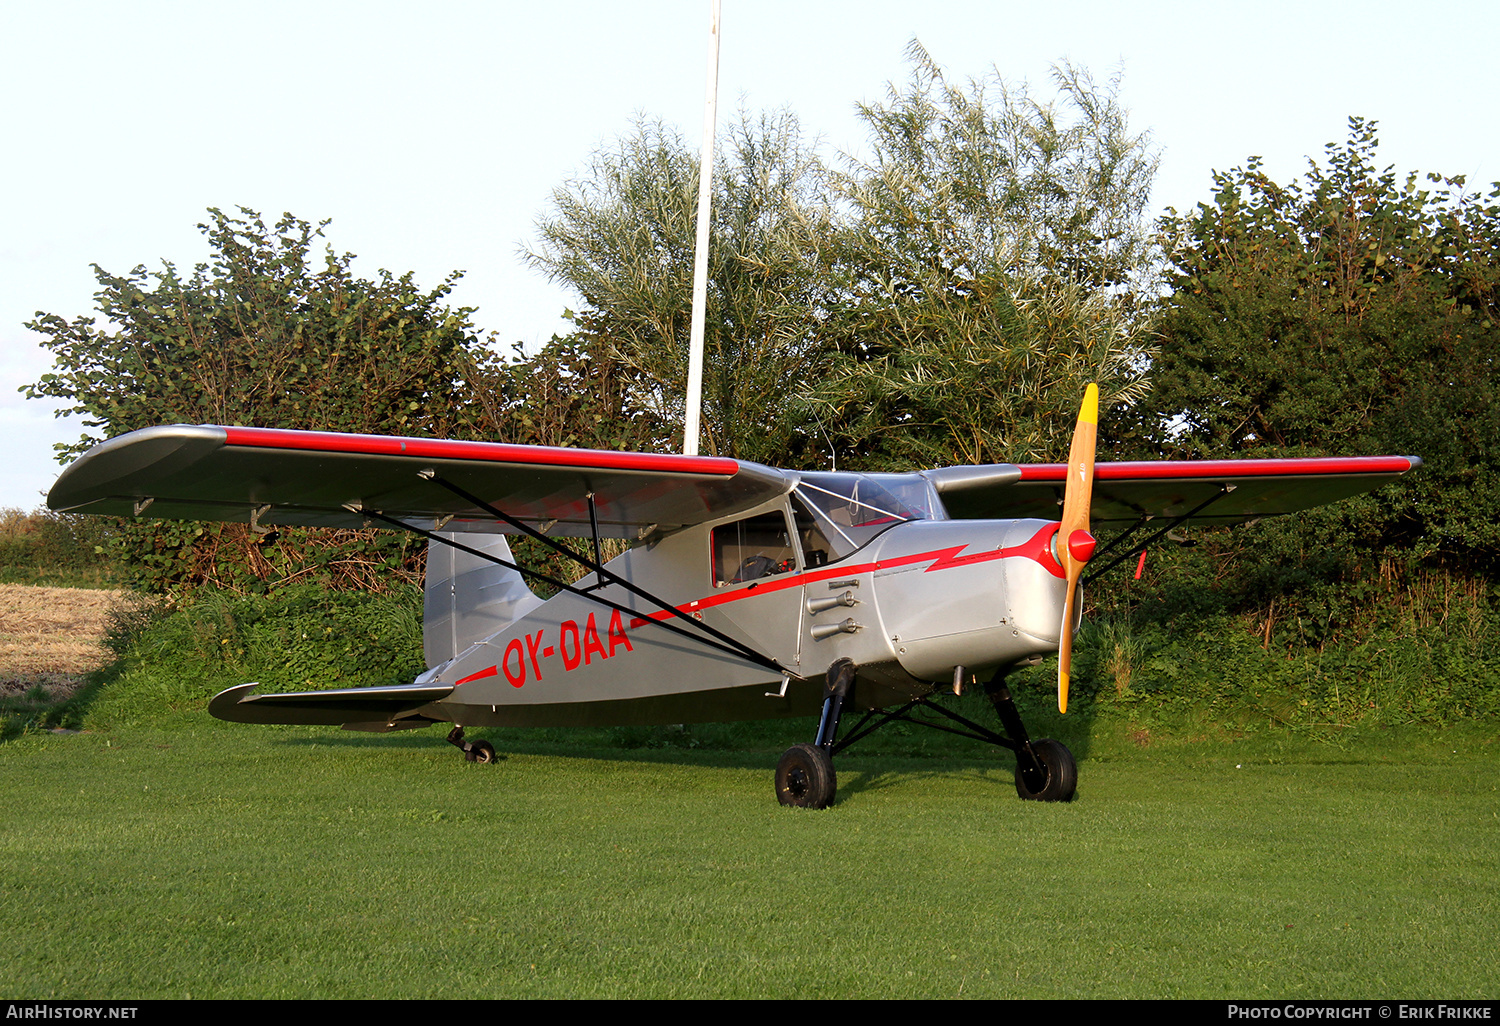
468, 598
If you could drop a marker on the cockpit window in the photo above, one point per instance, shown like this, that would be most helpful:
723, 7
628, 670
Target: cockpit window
749, 549
854, 508
816, 548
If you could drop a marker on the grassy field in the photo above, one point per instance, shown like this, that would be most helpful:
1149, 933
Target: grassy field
191, 858
1229, 853
51, 639
52, 630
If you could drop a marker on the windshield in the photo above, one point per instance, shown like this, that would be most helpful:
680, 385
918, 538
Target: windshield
854, 508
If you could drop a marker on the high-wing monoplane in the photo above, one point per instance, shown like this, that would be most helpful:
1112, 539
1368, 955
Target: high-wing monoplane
747, 592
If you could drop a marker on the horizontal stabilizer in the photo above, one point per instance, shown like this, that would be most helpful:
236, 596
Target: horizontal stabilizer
371, 708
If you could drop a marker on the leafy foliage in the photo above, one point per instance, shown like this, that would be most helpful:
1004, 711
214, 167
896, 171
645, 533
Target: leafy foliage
992, 268
576, 391
1351, 313
1411, 670
59, 549
967, 181
943, 303
261, 336
623, 237
303, 638
991, 375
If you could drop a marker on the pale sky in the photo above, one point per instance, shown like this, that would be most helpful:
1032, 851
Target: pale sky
432, 134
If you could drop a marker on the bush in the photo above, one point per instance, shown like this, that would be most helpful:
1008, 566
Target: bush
57, 549
302, 639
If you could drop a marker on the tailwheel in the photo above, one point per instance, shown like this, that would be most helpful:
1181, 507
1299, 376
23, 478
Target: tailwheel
474, 751
1058, 778
805, 777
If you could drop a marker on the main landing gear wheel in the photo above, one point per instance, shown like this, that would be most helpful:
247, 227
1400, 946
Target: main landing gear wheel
1058, 779
805, 778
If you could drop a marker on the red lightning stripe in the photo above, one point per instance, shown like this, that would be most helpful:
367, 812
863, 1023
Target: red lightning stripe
487, 672
1037, 548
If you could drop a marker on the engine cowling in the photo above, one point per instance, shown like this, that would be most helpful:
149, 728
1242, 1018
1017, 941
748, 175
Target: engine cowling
973, 593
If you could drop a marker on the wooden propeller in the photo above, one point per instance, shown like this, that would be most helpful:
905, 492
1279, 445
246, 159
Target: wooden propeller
1074, 545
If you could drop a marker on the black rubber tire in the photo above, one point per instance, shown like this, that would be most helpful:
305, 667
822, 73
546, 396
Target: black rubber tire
805, 778
1061, 773
481, 752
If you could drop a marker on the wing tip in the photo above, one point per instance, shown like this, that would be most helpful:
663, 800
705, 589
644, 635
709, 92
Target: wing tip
105, 472
225, 704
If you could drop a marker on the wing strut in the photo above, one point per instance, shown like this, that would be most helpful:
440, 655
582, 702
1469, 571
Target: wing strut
725, 644
1224, 490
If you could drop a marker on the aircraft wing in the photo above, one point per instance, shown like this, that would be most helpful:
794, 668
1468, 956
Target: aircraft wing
1127, 493
325, 479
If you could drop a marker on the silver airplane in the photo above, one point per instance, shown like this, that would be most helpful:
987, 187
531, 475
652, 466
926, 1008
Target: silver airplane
747, 593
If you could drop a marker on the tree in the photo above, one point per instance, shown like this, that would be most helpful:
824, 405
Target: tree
259, 335
945, 302
622, 236
573, 392
992, 375
1351, 313
985, 178
993, 267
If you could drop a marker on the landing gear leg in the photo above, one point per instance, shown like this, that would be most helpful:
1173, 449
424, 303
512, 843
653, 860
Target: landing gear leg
804, 775
474, 751
838, 684
1045, 769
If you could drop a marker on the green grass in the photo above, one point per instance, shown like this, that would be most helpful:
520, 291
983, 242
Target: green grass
192, 858
1220, 846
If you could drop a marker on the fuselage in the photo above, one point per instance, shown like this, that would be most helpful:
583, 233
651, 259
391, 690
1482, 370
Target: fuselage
842, 566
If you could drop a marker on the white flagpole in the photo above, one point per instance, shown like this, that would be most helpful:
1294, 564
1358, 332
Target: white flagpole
690, 429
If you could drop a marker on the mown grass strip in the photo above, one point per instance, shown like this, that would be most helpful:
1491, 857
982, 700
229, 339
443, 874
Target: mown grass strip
198, 859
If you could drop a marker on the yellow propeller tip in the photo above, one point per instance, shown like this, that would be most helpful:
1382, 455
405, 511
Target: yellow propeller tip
1089, 414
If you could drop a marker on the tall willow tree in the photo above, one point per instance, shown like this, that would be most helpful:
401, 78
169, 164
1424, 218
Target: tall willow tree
943, 302
995, 264
621, 235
